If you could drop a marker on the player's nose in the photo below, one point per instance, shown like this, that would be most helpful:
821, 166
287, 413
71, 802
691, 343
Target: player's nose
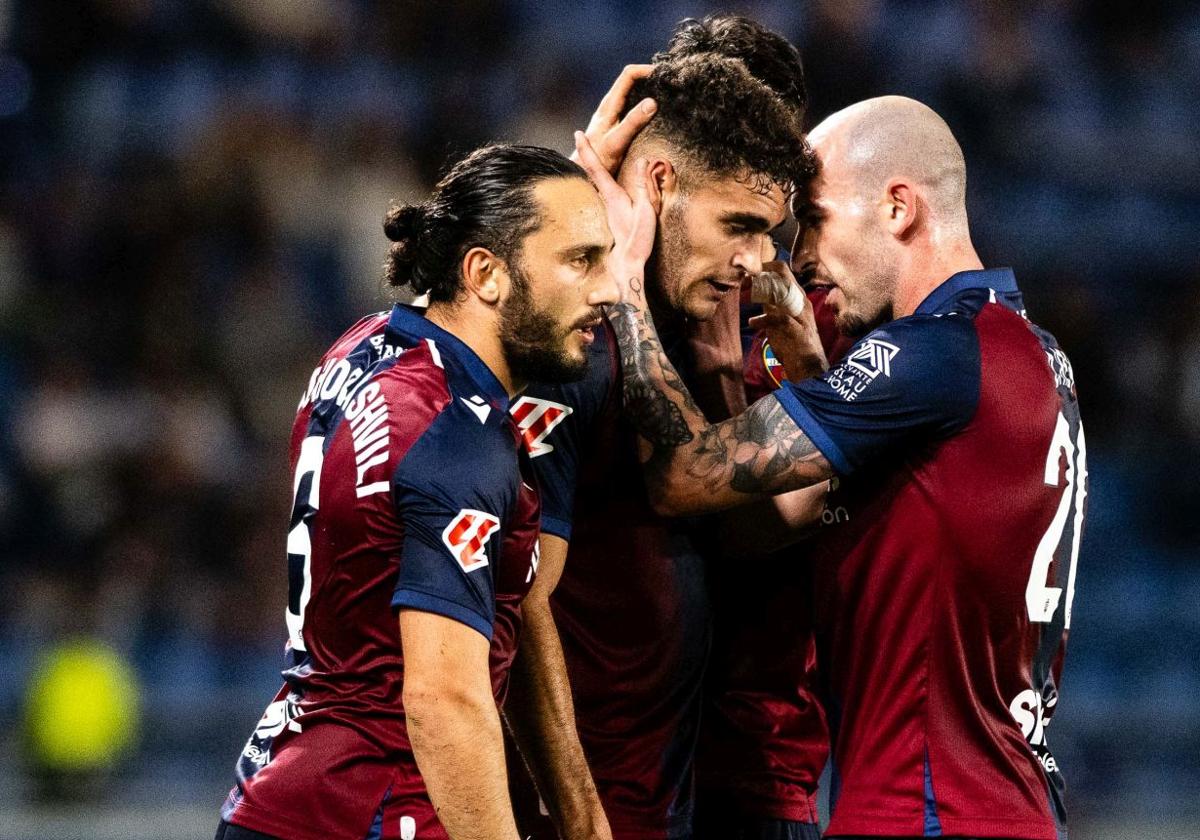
749, 258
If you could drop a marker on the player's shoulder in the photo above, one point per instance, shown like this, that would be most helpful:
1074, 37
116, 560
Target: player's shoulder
918, 346
364, 329
463, 445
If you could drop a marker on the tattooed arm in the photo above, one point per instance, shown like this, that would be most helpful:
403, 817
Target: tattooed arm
693, 466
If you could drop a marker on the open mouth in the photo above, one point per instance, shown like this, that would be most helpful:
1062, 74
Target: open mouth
585, 328
722, 288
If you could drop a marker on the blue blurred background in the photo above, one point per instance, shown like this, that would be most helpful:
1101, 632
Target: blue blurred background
190, 206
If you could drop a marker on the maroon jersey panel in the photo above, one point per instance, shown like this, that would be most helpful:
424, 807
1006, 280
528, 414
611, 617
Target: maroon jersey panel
411, 492
945, 570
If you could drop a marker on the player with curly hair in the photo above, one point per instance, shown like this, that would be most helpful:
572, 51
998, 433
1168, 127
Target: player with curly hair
724, 151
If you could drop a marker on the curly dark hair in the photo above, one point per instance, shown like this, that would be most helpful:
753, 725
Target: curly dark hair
726, 122
485, 200
768, 56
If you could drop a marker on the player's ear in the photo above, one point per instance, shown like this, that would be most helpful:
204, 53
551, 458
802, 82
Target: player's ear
900, 209
661, 180
485, 275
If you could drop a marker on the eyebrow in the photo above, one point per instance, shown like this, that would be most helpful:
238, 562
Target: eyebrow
750, 221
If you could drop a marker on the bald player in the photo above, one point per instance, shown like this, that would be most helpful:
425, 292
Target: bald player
946, 572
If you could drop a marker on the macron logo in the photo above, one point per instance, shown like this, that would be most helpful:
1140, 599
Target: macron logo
477, 405
536, 419
467, 535
873, 358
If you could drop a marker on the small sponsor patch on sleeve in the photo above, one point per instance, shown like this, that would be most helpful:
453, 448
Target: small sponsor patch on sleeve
467, 536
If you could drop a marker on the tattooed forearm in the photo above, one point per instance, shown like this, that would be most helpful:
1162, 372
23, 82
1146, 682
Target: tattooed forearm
696, 465
654, 414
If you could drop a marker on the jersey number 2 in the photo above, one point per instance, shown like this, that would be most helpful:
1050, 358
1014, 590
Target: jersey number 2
306, 495
1042, 600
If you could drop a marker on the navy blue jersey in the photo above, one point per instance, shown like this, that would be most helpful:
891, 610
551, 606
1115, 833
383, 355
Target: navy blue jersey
945, 566
411, 490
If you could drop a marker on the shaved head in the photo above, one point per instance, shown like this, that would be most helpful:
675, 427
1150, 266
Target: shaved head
887, 218
876, 140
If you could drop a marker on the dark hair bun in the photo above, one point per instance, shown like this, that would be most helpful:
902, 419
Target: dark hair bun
404, 225
403, 222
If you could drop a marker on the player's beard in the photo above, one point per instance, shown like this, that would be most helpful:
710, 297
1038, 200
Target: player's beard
872, 306
534, 342
667, 290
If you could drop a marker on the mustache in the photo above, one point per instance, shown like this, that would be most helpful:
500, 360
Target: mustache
590, 320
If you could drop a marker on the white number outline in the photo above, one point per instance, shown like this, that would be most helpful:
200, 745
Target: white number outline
1041, 600
299, 540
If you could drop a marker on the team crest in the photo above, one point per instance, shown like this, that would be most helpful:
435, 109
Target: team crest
873, 357
536, 419
772, 364
467, 535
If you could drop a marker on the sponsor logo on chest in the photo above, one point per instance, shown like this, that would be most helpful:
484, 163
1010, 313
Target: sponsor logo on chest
536, 419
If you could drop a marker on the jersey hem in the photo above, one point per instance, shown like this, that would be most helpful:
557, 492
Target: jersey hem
951, 827
802, 808
809, 425
255, 819
425, 602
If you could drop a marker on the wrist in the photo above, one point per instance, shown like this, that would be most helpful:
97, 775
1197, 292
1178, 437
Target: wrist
633, 286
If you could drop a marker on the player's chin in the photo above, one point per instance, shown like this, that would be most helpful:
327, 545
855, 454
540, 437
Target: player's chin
572, 362
573, 352
702, 306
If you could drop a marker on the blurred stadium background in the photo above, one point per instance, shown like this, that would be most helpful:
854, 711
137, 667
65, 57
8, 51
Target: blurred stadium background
190, 204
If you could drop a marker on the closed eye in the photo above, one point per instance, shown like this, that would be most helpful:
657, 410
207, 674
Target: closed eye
745, 224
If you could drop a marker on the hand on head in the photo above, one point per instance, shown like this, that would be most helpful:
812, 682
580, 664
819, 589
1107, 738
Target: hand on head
610, 135
633, 220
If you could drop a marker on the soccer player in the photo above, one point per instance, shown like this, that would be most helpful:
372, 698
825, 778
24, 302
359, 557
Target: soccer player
631, 608
414, 531
763, 740
946, 577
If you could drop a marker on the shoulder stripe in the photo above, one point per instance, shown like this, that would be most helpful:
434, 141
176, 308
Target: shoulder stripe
433, 351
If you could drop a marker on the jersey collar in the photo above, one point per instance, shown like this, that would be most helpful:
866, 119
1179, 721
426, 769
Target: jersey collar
997, 279
411, 321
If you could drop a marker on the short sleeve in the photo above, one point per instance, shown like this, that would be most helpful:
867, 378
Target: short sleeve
453, 510
555, 422
912, 380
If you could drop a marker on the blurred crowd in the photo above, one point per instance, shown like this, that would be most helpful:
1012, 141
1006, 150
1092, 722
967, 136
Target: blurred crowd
191, 195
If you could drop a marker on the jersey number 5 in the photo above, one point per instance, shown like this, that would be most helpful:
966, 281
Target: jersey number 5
306, 494
1042, 600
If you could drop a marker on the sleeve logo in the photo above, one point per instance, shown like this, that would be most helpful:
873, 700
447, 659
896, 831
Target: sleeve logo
861, 368
536, 419
467, 535
873, 358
